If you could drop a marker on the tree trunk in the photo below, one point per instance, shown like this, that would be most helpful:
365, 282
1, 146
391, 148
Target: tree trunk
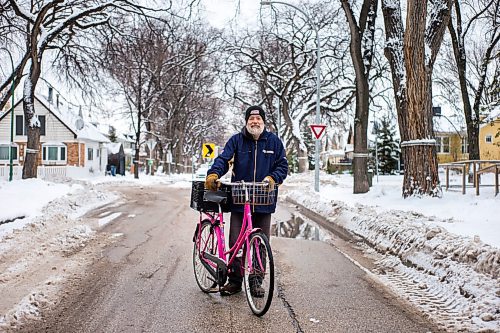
33, 144
421, 167
136, 162
32, 153
461, 61
361, 55
394, 53
303, 161
360, 162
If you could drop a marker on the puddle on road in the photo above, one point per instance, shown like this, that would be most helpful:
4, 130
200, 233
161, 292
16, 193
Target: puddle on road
300, 228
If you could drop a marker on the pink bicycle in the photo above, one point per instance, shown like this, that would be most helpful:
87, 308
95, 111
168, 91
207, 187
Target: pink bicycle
211, 260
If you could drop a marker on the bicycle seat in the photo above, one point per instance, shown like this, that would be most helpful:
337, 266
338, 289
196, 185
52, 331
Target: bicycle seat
215, 196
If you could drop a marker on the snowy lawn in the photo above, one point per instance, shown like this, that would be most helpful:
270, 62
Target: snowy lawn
468, 215
441, 254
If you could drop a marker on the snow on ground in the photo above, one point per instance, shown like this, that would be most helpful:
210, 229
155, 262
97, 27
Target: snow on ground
441, 254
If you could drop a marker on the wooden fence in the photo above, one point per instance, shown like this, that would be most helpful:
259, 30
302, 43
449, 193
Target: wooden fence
476, 168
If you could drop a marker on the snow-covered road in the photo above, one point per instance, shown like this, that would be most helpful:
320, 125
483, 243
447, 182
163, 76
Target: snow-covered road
444, 266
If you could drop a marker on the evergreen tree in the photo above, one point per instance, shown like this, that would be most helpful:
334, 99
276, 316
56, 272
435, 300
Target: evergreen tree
112, 134
310, 142
388, 148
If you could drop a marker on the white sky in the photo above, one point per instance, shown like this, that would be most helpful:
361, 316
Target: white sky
219, 12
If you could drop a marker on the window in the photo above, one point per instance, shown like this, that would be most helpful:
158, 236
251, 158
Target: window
21, 128
443, 144
465, 146
54, 153
4, 152
90, 154
489, 138
42, 124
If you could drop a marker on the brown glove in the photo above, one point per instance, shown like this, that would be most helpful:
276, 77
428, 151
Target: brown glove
270, 181
211, 182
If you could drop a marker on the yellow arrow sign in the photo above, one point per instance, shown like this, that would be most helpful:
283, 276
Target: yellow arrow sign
208, 150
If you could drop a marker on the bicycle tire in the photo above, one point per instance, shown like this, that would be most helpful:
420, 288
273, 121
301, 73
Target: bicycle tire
208, 242
259, 283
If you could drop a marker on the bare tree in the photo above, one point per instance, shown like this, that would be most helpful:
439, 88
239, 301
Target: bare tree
50, 25
473, 78
164, 72
135, 60
411, 55
278, 62
362, 51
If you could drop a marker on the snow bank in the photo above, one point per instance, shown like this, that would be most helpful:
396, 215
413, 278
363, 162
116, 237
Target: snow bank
450, 278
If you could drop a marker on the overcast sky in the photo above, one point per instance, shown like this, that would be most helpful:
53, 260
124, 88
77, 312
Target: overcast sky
219, 12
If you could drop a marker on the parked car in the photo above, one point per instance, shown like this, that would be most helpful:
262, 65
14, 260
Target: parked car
201, 172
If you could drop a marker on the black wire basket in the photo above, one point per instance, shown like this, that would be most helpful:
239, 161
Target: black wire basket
259, 194
197, 202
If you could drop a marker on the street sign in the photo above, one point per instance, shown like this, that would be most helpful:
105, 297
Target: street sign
151, 144
318, 130
169, 156
208, 150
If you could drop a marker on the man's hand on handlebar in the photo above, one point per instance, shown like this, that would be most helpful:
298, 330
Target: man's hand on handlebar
270, 182
211, 182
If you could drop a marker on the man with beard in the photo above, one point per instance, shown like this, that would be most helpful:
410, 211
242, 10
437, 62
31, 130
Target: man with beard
259, 156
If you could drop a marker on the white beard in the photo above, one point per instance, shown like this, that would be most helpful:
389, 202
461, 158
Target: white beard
256, 131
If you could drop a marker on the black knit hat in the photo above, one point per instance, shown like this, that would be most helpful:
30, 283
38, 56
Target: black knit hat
254, 110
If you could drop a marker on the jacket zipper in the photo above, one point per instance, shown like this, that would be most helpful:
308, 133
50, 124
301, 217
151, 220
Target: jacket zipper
254, 175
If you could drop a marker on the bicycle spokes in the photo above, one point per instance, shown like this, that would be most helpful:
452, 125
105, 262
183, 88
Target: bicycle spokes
259, 274
206, 242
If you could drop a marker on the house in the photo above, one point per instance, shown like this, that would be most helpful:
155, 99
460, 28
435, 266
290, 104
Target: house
116, 157
489, 138
338, 151
451, 140
452, 144
65, 140
127, 141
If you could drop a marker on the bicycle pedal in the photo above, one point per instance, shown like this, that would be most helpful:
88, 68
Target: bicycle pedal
214, 290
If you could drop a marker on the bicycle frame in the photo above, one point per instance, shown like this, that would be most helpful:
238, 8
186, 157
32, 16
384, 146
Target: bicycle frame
217, 221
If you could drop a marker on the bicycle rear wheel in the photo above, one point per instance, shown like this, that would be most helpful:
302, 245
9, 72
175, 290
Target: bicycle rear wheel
259, 274
205, 241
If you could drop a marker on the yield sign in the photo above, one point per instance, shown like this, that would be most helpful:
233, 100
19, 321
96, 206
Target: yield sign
208, 150
318, 130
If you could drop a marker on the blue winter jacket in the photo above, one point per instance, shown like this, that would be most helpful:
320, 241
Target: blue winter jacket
253, 161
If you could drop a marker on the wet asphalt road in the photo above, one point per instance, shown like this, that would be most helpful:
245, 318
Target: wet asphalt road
144, 283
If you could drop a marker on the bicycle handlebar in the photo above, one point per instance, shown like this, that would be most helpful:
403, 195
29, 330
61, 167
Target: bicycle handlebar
243, 183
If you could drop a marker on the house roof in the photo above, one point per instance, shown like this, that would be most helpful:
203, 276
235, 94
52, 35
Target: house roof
114, 147
494, 116
68, 119
448, 124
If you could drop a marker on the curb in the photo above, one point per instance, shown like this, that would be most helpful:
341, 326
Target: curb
333, 227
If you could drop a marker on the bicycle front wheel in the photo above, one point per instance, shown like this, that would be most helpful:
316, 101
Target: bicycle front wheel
259, 274
205, 241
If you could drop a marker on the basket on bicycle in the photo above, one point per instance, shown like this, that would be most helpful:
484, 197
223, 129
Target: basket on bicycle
197, 202
258, 194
